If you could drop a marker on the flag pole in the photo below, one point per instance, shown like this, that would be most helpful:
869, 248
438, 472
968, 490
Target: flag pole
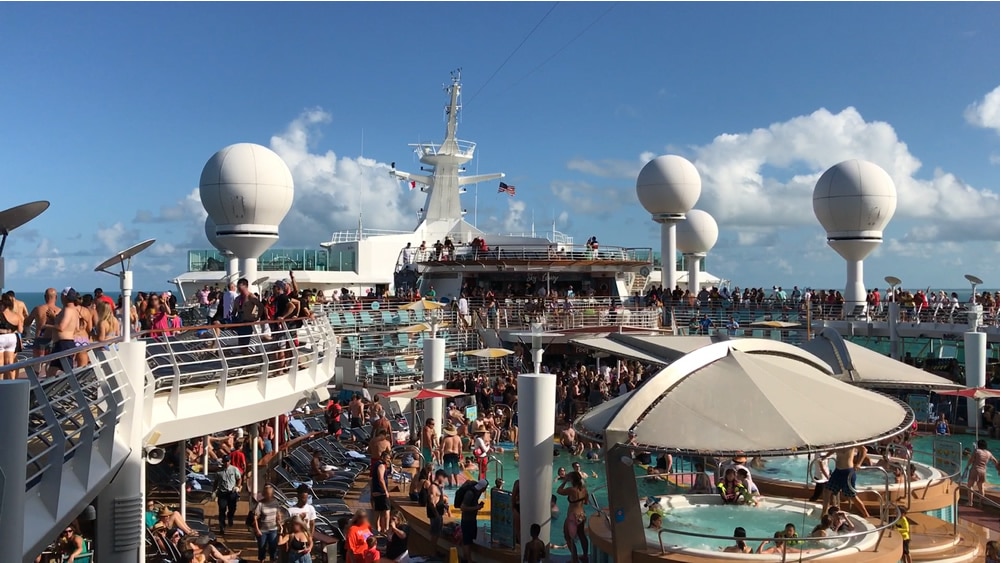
476, 192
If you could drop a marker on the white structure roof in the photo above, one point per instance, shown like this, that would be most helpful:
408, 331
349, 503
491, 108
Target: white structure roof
724, 400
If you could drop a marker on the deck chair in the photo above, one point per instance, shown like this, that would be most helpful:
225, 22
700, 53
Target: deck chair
321, 489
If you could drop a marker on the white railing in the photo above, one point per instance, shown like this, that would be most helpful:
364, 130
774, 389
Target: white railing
354, 235
561, 314
74, 414
223, 355
463, 148
533, 253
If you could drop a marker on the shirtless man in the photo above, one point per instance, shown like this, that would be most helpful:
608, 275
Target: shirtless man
842, 481
451, 452
65, 326
356, 411
43, 317
429, 442
380, 443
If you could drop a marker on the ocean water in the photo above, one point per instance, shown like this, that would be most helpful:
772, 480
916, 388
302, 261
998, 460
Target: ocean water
35, 298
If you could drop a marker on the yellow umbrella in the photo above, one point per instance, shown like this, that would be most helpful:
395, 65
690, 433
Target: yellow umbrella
489, 353
422, 327
422, 305
774, 324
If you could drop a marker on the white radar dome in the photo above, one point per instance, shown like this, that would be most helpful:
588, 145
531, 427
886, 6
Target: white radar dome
668, 185
698, 233
247, 190
855, 199
210, 234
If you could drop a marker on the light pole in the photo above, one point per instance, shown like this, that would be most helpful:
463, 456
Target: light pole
124, 260
13, 218
892, 316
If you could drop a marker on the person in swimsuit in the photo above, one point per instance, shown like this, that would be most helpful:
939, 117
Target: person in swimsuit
65, 327
296, 540
977, 469
574, 489
450, 449
10, 326
942, 426
843, 479
437, 505
43, 317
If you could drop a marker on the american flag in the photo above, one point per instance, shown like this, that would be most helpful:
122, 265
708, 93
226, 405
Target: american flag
506, 189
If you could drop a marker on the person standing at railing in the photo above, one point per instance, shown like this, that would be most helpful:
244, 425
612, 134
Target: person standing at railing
43, 317
11, 325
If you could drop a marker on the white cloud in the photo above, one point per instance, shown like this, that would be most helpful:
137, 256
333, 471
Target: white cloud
610, 167
46, 261
117, 237
328, 188
985, 113
515, 220
584, 198
187, 209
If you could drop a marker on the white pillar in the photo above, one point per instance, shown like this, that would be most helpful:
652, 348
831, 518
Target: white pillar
248, 269
182, 456
855, 291
433, 360
255, 460
14, 398
121, 520
126, 305
537, 399
893, 312
669, 277
692, 261
975, 344
232, 266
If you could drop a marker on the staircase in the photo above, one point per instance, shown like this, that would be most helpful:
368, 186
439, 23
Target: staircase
86, 425
639, 283
933, 539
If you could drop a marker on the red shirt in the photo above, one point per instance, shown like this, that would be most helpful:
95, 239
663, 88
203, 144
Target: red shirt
238, 460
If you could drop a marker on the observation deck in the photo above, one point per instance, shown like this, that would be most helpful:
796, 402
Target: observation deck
548, 256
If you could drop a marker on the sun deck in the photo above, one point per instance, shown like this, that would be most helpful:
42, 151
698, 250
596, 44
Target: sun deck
544, 256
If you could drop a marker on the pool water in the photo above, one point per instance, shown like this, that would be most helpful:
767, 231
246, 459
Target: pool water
923, 451
794, 468
595, 482
758, 522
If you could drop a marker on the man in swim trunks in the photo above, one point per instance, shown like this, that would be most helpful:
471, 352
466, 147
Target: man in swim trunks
842, 481
43, 317
65, 325
429, 442
451, 449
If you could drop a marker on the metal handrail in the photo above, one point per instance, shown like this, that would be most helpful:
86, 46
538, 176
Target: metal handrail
547, 252
878, 529
956, 502
886, 500
498, 468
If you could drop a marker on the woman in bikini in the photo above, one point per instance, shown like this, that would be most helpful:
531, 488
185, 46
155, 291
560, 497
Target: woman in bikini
574, 489
11, 324
977, 469
107, 325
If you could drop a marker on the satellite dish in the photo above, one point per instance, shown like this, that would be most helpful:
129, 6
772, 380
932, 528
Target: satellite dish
124, 257
975, 280
892, 281
14, 217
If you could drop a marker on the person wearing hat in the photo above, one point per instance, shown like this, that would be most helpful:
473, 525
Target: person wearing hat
173, 521
481, 451
227, 488
450, 449
469, 508
736, 463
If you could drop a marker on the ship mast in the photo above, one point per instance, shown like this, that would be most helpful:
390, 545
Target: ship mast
446, 161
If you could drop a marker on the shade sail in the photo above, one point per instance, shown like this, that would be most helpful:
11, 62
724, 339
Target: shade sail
423, 327
861, 366
612, 347
723, 400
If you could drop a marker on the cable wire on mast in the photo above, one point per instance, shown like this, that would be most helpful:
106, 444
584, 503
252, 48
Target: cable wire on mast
519, 46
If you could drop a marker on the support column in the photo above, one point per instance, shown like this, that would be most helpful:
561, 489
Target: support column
183, 476
433, 360
14, 398
255, 460
692, 261
248, 269
669, 277
120, 506
537, 399
624, 510
893, 314
855, 291
975, 358
232, 267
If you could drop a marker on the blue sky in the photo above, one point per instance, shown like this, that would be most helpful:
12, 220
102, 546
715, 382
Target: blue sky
111, 110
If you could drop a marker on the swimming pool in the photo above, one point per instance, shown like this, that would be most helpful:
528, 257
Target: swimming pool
923, 451
704, 514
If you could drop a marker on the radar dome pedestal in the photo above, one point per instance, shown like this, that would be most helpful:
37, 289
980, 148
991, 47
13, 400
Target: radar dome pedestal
668, 187
854, 201
232, 265
696, 236
247, 190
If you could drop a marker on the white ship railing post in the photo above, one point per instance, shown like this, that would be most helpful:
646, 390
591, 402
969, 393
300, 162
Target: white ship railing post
14, 399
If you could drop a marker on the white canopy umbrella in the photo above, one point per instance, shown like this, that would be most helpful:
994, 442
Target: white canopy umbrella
722, 400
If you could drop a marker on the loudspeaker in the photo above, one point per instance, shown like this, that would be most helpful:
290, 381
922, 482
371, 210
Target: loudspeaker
153, 454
